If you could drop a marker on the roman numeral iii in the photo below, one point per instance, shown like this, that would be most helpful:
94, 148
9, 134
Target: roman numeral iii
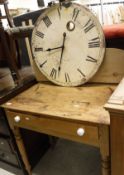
95, 42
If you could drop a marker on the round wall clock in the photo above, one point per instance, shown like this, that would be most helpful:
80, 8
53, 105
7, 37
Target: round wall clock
68, 44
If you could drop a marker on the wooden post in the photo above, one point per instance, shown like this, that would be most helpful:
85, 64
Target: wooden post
104, 149
115, 106
117, 143
22, 150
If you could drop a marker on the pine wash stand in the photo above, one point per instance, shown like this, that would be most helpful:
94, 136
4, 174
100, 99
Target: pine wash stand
76, 114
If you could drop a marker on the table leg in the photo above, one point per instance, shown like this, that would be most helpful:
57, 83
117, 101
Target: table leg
104, 149
20, 144
117, 143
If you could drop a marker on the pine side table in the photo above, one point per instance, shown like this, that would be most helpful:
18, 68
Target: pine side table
75, 113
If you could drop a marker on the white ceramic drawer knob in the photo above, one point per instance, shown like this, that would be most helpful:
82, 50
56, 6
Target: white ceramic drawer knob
80, 132
17, 119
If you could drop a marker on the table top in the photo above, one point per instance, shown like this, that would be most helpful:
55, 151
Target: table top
83, 103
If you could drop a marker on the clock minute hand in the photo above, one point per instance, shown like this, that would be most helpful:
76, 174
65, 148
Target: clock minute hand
49, 49
63, 46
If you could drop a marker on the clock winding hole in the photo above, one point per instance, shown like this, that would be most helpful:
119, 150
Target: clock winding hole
70, 26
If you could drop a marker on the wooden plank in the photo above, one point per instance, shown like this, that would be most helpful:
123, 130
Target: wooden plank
112, 68
80, 103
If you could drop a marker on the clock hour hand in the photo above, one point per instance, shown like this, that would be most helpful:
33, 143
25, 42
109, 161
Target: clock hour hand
49, 49
63, 46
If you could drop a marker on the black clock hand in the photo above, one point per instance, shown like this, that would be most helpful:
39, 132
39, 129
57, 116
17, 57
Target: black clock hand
63, 46
49, 49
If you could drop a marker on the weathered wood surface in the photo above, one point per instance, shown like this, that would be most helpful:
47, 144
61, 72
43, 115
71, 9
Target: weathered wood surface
80, 103
112, 68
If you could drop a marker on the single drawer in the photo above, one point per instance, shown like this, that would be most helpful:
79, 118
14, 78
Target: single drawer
58, 127
9, 158
5, 145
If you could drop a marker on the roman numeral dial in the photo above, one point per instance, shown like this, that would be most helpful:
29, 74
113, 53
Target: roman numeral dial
68, 44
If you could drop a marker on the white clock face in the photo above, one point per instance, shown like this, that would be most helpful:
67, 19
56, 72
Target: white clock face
68, 44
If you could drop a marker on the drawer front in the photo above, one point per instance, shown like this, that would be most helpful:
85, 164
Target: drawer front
9, 158
57, 127
5, 145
